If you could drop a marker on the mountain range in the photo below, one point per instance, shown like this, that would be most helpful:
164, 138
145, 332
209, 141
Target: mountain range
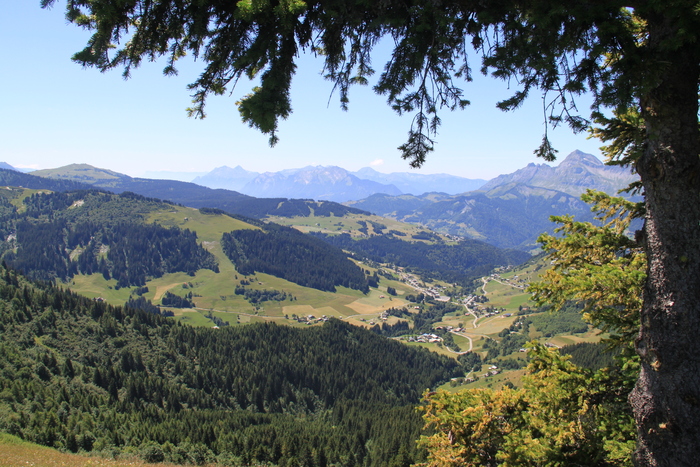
332, 183
193, 195
574, 175
511, 210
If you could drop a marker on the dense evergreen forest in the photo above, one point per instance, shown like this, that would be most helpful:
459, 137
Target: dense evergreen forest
79, 374
59, 235
287, 253
593, 356
453, 263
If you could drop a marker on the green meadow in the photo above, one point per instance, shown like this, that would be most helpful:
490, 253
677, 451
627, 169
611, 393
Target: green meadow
213, 294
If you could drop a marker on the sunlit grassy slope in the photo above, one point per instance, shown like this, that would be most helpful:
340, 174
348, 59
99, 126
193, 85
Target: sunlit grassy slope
213, 293
15, 452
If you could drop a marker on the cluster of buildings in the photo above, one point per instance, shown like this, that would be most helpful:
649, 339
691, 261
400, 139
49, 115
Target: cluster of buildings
310, 319
515, 281
449, 329
433, 292
432, 338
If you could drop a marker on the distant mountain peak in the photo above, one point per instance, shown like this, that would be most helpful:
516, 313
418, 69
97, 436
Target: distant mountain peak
226, 177
581, 158
316, 182
576, 173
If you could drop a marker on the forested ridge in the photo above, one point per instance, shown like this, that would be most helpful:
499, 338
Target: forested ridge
287, 253
196, 196
454, 263
59, 235
79, 374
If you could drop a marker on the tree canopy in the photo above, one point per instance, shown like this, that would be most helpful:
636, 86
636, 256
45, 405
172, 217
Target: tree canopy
560, 50
640, 60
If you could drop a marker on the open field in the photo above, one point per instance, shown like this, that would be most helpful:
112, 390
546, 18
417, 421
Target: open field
208, 227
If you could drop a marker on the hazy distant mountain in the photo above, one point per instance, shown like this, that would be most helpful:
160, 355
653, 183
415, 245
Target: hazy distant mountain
397, 206
320, 183
227, 178
170, 175
332, 183
511, 218
511, 210
416, 183
196, 196
576, 173
6, 166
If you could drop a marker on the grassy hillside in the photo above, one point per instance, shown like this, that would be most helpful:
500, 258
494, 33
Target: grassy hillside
213, 294
17, 452
352, 224
83, 173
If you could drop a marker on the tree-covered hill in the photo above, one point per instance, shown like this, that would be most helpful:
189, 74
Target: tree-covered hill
59, 235
451, 262
80, 374
284, 252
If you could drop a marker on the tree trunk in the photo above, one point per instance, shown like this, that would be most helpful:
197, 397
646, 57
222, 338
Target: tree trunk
666, 399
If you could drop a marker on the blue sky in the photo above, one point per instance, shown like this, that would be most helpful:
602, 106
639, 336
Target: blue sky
54, 113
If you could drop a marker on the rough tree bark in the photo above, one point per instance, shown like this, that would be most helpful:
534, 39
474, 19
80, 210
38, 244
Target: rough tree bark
666, 399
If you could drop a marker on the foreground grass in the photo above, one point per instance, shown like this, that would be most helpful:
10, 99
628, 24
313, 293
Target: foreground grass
16, 452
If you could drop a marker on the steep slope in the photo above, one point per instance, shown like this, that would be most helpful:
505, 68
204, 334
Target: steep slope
81, 375
511, 210
574, 175
510, 216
